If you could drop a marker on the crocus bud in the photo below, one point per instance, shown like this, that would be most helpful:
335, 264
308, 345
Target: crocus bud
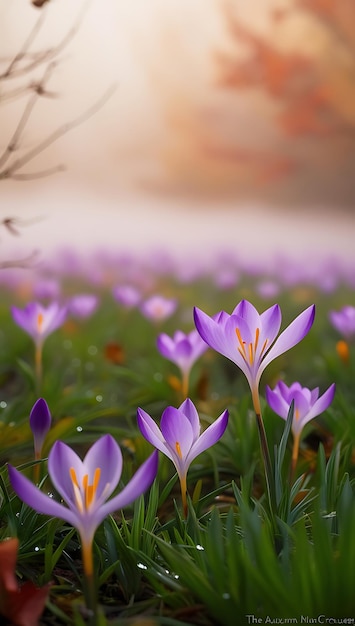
40, 423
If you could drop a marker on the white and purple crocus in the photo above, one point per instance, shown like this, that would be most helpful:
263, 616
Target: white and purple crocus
85, 486
179, 437
183, 349
250, 339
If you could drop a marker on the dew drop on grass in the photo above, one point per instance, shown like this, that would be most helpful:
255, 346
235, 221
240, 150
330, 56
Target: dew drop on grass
3, 404
79, 429
99, 398
141, 566
37, 549
199, 547
225, 596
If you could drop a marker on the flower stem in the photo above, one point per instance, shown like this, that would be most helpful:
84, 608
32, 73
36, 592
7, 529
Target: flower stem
183, 487
38, 367
90, 591
294, 459
185, 385
264, 450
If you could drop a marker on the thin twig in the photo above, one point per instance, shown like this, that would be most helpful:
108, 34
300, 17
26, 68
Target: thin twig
13, 143
46, 55
57, 134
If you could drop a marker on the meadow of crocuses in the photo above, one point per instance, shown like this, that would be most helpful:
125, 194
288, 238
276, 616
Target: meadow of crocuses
177, 441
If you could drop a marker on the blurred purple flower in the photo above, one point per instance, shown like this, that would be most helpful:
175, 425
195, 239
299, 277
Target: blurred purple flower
127, 295
307, 405
267, 288
183, 350
40, 423
158, 308
46, 289
83, 305
307, 402
39, 321
344, 321
85, 486
179, 436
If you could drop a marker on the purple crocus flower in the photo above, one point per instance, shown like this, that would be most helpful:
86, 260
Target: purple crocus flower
40, 423
307, 402
179, 436
183, 350
85, 487
83, 305
249, 339
344, 321
158, 308
307, 405
39, 321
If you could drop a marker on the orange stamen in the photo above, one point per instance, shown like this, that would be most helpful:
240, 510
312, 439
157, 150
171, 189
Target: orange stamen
85, 497
242, 343
178, 449
40, 320
257, 334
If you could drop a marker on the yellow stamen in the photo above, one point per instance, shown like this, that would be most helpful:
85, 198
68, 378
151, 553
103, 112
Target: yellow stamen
242, 343
178, 449
297, 414
264, 346
257, 334
40, 320
85, 496
251, 354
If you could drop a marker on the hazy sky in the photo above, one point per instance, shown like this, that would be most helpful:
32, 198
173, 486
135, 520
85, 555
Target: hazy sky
158, 54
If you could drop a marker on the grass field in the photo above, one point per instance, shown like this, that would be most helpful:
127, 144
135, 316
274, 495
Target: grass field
257, 544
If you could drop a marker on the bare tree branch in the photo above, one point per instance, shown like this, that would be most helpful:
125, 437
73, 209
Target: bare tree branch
44, 56
51, 139
14, 141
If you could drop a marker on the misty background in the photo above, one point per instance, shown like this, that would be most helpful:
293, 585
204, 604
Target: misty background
197, 125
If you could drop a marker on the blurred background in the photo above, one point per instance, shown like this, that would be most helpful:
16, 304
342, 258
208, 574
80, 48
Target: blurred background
185, 124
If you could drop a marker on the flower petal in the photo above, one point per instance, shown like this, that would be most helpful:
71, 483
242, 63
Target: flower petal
152, 432
106, 454
292, 335
60, 460
322, 403
140, 482
270, 325
209, 437
39, 501
188, 408
177, 432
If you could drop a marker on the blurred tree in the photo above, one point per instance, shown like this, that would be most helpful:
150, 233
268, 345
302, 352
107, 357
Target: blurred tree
312, 91
275, 118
